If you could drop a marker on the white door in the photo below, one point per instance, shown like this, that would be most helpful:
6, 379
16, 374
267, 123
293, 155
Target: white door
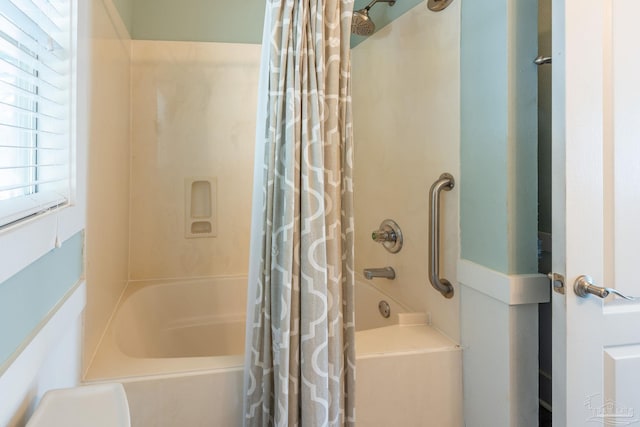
596, 205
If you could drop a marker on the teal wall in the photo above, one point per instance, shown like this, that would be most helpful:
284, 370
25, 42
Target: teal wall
483, 133
198, 20
218, 21
381, 14
498, 135
125, 8
29, 296
523, 144
544, 119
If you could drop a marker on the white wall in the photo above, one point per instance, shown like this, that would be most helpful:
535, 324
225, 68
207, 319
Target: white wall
406, 102
107, 231
194, 107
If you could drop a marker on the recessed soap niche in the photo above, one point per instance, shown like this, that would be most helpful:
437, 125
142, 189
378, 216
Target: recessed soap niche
200, 207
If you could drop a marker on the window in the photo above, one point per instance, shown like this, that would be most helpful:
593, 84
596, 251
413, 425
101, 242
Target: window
35, 105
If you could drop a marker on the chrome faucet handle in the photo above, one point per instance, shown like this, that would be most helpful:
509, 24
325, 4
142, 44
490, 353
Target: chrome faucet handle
384, 236
389, 235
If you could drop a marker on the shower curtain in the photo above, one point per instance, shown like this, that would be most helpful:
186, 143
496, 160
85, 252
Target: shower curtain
300, 357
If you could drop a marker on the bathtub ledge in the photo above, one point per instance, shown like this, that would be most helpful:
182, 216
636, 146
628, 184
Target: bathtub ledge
401, 339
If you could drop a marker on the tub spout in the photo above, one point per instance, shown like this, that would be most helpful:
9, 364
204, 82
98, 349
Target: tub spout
386, 272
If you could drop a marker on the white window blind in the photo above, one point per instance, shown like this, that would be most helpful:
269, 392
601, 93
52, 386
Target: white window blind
35, 101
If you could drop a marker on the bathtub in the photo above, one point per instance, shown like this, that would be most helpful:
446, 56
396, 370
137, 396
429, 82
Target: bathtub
177, 347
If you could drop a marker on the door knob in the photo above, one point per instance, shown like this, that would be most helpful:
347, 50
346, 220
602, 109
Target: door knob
584, 286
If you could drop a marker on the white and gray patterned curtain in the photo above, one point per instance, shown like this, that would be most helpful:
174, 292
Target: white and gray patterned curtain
300, 356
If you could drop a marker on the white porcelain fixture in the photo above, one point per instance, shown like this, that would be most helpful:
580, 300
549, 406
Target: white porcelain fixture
99, 405
174, 344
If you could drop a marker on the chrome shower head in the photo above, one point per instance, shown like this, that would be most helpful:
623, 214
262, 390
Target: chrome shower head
361, 23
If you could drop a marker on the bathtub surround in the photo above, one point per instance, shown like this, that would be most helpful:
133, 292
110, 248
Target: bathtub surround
193, 115
107, 233
413, 65
401, 151
301, 364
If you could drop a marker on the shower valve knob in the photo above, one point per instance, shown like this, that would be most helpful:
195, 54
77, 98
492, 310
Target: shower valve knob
389, 235
384, 236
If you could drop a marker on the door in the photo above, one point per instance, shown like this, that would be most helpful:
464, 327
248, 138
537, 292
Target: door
596, 205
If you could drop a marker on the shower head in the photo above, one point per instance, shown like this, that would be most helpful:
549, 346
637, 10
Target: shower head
361, 23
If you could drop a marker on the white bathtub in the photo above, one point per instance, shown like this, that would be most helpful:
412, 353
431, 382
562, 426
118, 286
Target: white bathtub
177, 346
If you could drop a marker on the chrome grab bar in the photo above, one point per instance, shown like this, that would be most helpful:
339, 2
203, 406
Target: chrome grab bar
446, 183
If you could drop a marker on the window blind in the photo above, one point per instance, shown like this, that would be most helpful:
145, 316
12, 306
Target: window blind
35, 102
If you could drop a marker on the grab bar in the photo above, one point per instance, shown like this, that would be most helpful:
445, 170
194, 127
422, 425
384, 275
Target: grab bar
446, 183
